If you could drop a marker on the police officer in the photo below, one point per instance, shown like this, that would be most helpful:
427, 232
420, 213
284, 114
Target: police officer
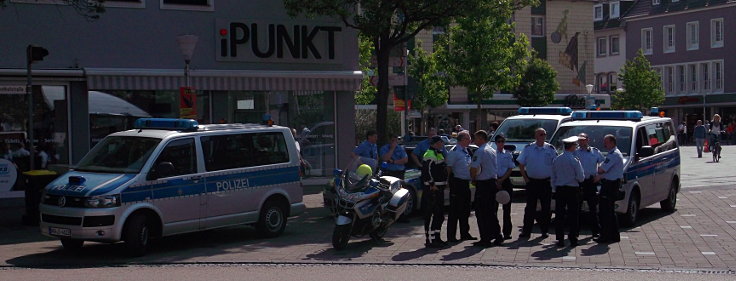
422, 147
483, 174
434, 177
610, 173
504, 166
535, 165
395, 155
368, 147
566, 178
590, 158
458, 165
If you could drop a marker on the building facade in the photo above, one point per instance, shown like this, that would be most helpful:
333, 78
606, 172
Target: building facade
687, 42
251, 60
610, 42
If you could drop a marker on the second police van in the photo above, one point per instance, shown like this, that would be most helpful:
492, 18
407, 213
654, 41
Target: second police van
172, 176
650, 151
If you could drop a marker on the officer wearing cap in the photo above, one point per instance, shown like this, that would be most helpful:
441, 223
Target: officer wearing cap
535, 165
458, 165
434, 177
567, 175
610, 173
504, 166
590, 158
422, 147
395, 156
483, 174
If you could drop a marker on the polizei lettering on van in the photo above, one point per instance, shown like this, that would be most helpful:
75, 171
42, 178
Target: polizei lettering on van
232, 184
261, 41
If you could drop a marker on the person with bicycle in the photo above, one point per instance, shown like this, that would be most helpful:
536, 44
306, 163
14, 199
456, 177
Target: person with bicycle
715, 133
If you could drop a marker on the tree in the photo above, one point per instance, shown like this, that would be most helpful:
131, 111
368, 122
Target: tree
538, 84
432, 90
388, 24
367, 92
643, 85
90, 9
483, 54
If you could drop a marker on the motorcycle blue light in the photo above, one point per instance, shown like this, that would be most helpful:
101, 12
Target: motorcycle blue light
545, 110
166, 124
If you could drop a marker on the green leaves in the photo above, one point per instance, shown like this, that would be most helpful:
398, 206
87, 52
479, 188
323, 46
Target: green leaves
643, 86
432, 91
538, 84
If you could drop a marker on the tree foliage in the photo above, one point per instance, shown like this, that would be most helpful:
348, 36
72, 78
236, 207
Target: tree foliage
483, 54
367, 92
538, 84
89, 9
643, 86
432, 90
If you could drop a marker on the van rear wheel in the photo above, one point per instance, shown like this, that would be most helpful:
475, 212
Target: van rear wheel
272, 221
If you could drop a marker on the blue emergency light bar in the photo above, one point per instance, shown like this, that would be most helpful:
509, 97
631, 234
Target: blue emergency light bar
545, 110
632, 115
166, 124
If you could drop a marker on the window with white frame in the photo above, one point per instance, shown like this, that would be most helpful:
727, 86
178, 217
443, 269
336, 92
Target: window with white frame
693, 42
615, 9
668, 32
646, 40
598, 12
716, 33
705, 75
612, 81
681, 86
692, 70
655, 2
124, 3
718, 76
191, 5
615, 47
669, 80
602, 46
537, 26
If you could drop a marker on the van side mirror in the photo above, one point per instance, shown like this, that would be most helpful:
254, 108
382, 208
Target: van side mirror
162, 170
645, 151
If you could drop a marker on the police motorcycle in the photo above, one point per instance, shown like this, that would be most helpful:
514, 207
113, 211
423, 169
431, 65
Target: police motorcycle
365, 203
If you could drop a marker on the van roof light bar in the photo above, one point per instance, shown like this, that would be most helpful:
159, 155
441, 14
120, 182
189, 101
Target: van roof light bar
166, 124
631, 115
545, 110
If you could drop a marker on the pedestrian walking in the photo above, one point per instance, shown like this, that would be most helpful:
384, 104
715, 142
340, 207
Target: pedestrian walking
458, 165
610, 174
681, 133
483, 173
395, 156
566, 178
368, 147
434, 177
535, 165
699, 134
504, 166
590, 158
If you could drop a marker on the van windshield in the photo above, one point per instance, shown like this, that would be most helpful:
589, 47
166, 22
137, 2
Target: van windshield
118, 155
595, 136
522, 130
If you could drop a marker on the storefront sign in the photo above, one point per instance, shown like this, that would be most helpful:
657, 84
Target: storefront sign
685, 100
8, 175
399, 105
187, 103
12, 90
269, 41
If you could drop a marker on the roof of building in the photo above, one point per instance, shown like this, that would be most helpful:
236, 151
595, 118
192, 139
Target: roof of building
608, 22
645, 7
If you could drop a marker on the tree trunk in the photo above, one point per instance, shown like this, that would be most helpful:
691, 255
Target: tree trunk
383, 52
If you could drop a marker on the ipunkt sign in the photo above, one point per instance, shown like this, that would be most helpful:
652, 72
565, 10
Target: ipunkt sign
288, 42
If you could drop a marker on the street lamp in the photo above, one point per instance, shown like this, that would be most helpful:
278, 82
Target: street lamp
187, 44
588, 103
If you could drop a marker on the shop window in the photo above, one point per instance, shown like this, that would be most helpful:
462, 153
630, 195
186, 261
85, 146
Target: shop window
312, 115
196, 5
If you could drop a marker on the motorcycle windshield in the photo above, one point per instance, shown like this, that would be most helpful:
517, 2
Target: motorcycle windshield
358, 173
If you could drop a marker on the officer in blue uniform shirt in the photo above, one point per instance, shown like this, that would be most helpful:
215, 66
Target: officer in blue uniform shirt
504, 166
610, 174
368, 147
417, 154
458, 165
535, 165
567, 175
483, 174
395, 155
590, 157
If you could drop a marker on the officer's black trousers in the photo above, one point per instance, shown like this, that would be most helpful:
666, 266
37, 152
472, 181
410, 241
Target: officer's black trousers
486, 209
537, 189
507, 208
567, 209
590, 195
607, 211
459, 208
432, 207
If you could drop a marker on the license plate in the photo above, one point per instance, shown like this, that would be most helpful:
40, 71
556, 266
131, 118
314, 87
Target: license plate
57, 231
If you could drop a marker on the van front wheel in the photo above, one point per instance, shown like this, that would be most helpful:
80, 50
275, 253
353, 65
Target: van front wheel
137, 235
272, 221
669, 203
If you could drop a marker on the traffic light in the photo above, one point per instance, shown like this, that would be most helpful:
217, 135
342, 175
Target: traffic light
35, 53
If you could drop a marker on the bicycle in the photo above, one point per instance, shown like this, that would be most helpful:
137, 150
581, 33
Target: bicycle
716, 148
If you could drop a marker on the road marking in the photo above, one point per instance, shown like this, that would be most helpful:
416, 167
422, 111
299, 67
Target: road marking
708, 235
645, 253
731, 222
733, 206
624, 237
688, 215
708, 253
686, 227
722, 197
695, 192
568, 258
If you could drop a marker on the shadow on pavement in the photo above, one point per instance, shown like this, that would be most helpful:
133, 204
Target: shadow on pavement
551, 252
467, 252
354, 250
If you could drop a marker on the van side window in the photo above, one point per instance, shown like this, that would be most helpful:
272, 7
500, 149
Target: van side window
243, 150
181, 154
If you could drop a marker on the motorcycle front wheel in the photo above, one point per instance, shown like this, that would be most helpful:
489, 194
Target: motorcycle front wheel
341, 236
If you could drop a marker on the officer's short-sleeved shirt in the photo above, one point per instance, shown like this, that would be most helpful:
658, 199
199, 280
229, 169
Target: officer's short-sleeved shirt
613, 165
485, 158
537, 160
366, 149
567, 170
422, 147
504, 162
399, 153
589, 158
459, 160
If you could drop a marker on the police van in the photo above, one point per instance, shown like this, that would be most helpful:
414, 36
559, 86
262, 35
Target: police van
519, 131
172, 176
650, 150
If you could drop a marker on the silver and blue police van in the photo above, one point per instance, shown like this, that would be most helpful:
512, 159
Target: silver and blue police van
650, 150
519, 131
173, 176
